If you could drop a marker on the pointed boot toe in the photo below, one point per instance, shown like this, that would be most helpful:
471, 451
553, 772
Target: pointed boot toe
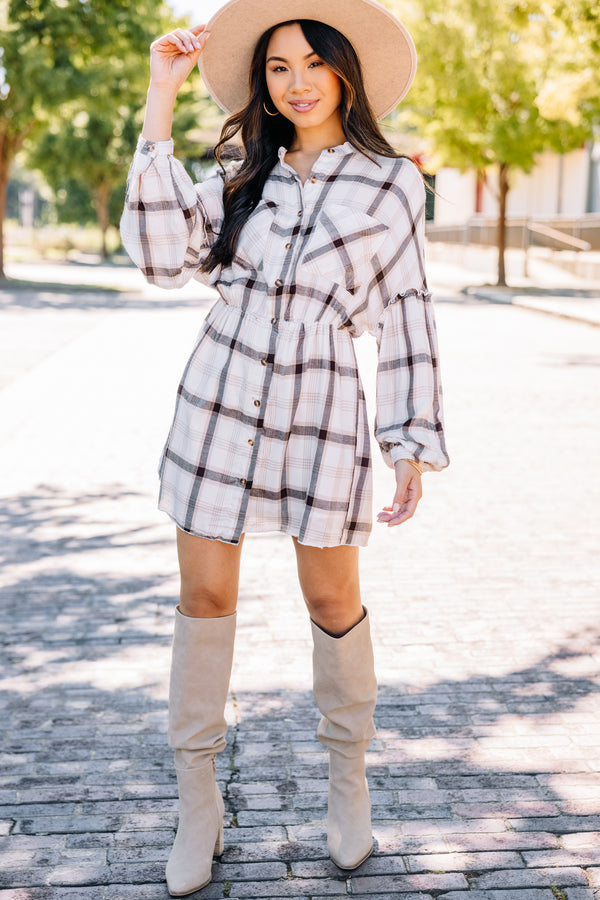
200, 671
349, 831
345, 690
199, 833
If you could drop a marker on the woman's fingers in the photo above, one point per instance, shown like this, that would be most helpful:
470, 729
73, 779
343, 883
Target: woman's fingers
182, 40
398, 513
407, 496
174, 55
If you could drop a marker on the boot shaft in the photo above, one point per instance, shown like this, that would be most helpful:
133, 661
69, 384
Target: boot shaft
202, 657
345, 687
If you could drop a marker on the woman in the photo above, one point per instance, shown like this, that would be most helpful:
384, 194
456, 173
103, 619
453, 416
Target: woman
316, 236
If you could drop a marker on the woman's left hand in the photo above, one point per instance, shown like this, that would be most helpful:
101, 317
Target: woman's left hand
408, 493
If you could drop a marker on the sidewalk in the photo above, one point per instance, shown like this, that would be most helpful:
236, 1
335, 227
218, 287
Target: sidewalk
546, 289
579, 304
485, 772
470, 270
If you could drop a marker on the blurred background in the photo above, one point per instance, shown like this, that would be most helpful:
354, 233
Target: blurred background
503, 117
485, 606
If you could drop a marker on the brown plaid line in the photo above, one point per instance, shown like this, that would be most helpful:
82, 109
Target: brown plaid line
270, 430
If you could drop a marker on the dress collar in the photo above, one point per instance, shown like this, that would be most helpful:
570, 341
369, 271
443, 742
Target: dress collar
330, 154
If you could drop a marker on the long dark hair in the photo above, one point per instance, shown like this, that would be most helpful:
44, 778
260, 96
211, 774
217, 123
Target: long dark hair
262, 135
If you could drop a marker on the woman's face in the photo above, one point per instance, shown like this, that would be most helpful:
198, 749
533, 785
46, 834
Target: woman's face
302, 87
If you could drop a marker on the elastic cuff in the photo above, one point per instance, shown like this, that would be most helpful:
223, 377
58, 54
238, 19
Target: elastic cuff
398, 452
154, 148
393, 451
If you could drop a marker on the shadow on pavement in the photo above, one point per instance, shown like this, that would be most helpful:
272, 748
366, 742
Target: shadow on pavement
51, 524
82, 299
87, 786
64, 297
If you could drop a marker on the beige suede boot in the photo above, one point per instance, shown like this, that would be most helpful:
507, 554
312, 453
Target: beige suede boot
345, 691
200, 673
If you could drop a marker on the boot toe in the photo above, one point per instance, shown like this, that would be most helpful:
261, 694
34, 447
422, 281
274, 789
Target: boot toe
349, 858
182, 885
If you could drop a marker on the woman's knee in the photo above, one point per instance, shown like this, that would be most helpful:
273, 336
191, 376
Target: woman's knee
206, 601
209, 576
334, 612
330, 585
336, 619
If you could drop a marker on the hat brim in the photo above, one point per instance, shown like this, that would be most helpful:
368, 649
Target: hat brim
383, 45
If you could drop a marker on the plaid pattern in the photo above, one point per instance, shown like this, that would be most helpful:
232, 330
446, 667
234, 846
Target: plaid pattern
270, 430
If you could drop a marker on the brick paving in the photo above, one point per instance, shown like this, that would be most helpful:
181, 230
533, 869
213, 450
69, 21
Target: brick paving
485, 773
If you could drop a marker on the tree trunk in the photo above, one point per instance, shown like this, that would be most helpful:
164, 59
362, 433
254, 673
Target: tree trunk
4, 174
101, 198
503, 187
9, 146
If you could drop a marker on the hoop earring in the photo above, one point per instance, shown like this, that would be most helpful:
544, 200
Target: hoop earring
267, 111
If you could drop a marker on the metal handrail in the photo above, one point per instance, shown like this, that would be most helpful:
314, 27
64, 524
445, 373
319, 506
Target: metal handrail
559, 236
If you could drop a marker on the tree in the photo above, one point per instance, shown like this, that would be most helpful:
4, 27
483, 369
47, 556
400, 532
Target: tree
571, 91
483, 68
49, 52
92, 145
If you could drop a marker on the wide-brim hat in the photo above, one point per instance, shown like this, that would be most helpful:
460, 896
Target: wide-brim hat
382, 43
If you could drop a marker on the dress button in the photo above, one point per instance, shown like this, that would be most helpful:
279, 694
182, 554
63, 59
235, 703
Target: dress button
274, 320
150, 148
279, 282
257, 402
300, 214
313, 180
251, 442
243, 482
288, 246
265, 362
331, 150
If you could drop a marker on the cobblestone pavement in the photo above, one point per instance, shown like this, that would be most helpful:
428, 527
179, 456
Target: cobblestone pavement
485, 771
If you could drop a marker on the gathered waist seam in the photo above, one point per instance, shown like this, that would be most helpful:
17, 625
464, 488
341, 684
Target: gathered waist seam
282, 324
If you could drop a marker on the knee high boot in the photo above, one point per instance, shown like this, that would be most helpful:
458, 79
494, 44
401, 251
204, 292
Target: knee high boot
345, 692
200, 673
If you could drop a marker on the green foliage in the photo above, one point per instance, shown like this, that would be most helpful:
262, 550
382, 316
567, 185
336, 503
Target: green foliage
73, 203
50, 49
93, 140
499, 82
571, 92
73, 80
483, 67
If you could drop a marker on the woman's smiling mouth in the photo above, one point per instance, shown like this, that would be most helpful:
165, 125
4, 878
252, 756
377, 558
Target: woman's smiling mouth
303, 105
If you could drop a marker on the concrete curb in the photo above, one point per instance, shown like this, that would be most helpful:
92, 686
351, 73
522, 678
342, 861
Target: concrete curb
578, 309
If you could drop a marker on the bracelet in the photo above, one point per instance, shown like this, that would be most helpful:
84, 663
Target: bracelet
415, 465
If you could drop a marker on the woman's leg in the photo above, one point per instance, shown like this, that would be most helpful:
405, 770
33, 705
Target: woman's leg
330, 585
345, 691
210, 573
200, 671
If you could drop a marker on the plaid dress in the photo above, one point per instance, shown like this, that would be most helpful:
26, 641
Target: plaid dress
270, 430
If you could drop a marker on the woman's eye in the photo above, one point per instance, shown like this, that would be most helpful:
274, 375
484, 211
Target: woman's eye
279, 69
316, 62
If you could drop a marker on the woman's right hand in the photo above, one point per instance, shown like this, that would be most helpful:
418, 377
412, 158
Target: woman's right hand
174, 55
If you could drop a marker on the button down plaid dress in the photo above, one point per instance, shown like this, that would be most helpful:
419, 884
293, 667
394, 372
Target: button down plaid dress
270, 430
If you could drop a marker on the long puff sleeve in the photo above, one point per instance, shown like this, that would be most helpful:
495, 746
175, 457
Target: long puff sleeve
409, 415
169, 224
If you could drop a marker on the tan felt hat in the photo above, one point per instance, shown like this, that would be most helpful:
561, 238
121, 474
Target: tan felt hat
384, 47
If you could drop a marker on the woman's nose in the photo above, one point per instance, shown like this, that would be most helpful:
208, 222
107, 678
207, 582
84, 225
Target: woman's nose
298, 82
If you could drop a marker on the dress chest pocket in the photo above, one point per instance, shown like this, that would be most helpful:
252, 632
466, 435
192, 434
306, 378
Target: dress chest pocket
342, 243
254, 237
